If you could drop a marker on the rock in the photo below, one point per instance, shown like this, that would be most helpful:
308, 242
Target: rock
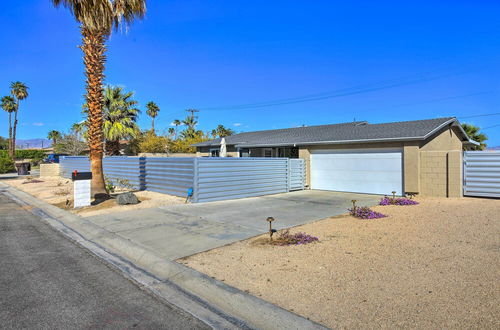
127, 198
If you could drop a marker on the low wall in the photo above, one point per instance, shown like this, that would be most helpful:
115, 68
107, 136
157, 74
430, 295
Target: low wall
49, 170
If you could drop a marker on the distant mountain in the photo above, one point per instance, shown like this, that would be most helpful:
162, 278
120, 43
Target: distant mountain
33, 143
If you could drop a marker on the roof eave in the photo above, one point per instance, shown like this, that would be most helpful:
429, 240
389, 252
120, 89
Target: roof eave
331, 142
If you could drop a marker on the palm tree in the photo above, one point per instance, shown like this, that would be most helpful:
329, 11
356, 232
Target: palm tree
119, 116
171, 131
152, 111
473, 132
54, 136
97, 19
20, 92
222, 131
8, 103
176, 123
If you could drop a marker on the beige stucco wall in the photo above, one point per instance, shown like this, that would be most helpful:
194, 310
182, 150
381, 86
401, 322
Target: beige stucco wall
441, 165
49, 170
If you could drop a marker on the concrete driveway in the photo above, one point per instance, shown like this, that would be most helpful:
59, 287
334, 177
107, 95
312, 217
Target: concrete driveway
180, 230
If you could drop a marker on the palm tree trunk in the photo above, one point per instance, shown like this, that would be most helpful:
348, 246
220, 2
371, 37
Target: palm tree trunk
153, 124
10, 136
94, 50
13, 143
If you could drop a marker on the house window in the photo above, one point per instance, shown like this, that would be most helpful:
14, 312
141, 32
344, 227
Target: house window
244, 152
214, 152
268, 152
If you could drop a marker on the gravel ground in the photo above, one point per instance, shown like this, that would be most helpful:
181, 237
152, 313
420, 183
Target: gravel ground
433, 265
56, 191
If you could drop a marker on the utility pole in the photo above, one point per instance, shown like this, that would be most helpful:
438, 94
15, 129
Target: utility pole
193, 111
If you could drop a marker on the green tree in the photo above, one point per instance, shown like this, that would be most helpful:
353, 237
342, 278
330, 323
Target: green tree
20, 92
120, 116
474, 133
185, 144
97, 19
153, 143
221, 131
190, 132
8, 104
4, 143
152, 111
70, 144
54, 136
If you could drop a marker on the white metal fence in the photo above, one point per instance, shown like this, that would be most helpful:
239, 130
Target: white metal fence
212, 179
482, 173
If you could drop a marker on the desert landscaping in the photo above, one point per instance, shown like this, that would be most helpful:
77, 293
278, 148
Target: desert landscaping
59, 192
432, 265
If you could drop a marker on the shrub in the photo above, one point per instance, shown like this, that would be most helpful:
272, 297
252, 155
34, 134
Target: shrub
153, 143
397, 201
6, 165
26, 153
365, 213
285, 238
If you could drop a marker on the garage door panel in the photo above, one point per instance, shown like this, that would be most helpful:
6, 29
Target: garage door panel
377, 172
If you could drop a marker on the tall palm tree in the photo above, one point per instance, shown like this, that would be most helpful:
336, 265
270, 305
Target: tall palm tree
97, 19
20, 92
176, 123
474, 133
119, 116
152, 111
8, 104
54, 136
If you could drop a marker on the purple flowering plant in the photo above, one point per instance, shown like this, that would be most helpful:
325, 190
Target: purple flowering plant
286, 238
397, 201
365, 213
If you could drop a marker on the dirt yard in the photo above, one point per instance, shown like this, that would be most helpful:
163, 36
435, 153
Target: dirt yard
59, 192
431, 266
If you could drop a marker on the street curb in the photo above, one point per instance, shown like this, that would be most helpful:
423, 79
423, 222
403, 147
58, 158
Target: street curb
245, 310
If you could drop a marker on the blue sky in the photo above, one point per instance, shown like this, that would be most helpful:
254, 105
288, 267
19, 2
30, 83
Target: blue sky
394, 60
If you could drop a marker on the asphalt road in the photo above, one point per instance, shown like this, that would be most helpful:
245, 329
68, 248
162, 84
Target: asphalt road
48, 282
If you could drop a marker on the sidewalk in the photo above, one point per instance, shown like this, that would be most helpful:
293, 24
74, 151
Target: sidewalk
244, 310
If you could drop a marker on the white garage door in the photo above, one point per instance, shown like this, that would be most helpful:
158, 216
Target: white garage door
377, 171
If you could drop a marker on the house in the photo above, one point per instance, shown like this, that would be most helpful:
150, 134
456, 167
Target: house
421, 156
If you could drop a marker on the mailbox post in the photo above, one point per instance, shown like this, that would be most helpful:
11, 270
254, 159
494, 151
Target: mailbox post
81, 188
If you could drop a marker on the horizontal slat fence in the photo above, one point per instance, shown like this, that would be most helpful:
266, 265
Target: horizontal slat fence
212, 179
230, 178
173, 175
482, 173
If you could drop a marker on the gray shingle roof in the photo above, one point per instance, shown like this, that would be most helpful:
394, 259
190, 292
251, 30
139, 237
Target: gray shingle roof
338, 133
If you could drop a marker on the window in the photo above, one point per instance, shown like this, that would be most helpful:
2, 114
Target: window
244, 152
214, 152
268, 152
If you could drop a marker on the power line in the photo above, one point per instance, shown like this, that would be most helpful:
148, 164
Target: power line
497, 125
483, 115
341, 92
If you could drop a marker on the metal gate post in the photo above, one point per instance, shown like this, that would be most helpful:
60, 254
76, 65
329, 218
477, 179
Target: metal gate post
195, 179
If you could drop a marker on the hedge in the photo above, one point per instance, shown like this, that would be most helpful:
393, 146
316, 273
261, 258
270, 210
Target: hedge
6, 165
26, 153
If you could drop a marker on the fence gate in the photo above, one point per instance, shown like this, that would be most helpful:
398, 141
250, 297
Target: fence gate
482, 173
297, 170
